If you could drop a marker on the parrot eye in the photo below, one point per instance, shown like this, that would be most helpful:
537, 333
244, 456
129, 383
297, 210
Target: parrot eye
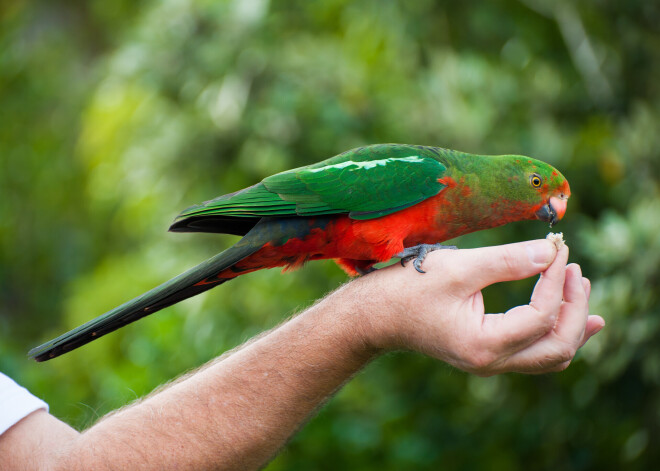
535, 180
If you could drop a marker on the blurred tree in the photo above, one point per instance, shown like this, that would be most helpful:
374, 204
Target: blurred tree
116, 115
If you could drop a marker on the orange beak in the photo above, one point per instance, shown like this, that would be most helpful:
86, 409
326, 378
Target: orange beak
553, 210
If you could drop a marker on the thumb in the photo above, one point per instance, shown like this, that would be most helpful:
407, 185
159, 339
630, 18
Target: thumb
481, 267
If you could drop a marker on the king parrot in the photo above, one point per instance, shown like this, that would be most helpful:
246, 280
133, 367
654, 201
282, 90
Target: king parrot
361, 207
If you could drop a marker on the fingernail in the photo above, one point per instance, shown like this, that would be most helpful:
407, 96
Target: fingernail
541, 252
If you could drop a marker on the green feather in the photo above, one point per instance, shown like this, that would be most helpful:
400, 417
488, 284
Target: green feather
365, 183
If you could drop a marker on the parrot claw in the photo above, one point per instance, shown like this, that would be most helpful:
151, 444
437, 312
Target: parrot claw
418, 254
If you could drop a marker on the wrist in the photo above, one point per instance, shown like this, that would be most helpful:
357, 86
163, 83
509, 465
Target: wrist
373, 314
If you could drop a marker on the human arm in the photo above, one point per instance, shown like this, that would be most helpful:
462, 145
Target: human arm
237, 411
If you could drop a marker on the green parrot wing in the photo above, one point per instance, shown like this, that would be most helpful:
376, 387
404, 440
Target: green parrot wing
366, 183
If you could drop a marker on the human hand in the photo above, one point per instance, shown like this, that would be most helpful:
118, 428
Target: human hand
441, 313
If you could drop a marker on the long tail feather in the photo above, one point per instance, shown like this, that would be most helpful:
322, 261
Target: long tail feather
170, 292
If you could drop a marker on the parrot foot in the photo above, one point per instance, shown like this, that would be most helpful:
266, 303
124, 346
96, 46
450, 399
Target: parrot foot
419, 252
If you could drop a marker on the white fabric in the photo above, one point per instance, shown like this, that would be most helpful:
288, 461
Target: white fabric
16, 402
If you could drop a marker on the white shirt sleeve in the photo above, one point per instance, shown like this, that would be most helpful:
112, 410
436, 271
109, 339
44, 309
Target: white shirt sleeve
16, 402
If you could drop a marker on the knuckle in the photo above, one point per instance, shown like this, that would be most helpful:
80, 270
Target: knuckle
550, 319
565, 353
547, 318
481, 361
508, 260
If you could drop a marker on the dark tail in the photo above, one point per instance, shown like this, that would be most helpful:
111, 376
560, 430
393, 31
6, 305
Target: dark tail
177, 289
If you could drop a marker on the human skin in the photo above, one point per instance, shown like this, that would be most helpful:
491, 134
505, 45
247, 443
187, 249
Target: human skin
237, 411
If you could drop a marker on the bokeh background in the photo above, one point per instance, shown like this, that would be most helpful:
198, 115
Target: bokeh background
116, 115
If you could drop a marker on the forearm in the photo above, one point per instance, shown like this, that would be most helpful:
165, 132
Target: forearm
238, 411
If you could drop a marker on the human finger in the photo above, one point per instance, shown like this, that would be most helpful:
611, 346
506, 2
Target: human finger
548, 292
521, 326
516, 329
565, 321
574, 310
594, 325
475, 269
551, 354
557, 348
524, 325
586, 283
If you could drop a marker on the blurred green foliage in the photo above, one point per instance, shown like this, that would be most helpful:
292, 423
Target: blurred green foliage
116, 115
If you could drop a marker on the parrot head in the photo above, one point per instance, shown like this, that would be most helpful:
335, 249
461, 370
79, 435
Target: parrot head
546, 189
